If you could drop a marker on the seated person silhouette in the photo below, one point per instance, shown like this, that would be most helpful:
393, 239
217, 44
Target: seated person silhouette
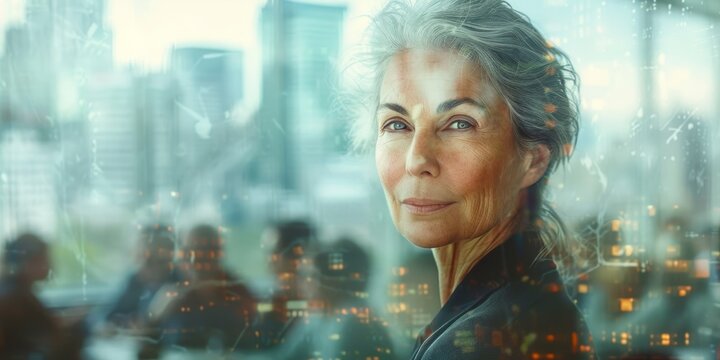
291, 245
27, 329
340, 324
212, 309
156, 253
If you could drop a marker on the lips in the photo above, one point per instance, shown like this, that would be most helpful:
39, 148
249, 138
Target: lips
424, 206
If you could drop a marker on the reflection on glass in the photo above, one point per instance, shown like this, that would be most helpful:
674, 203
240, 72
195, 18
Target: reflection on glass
115, 114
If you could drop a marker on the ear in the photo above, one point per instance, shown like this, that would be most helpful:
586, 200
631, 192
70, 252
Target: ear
536, 163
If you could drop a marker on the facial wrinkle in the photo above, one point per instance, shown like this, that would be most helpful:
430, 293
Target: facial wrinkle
455, 260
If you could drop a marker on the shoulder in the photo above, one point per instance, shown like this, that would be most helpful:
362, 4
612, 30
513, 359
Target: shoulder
520, 319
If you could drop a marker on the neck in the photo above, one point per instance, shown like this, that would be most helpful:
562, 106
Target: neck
455, 260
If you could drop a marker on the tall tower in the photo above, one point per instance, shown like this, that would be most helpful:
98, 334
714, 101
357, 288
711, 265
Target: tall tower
28, 198
697, 165
114, 136
157, 115
301, 43
29, 67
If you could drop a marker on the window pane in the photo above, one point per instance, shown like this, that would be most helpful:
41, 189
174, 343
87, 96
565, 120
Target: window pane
116, 115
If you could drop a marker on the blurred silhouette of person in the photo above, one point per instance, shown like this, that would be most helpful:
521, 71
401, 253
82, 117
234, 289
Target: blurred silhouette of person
27, 329
201, 257
342, 325
212, 309
291, 245
156, 254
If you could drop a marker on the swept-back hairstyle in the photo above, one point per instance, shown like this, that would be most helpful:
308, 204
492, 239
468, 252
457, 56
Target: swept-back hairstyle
535, 79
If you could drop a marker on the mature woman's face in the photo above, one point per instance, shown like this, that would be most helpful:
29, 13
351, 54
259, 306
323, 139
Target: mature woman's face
446, 153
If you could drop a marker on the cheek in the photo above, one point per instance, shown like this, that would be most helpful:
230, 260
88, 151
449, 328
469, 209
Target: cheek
489, 184
479, 169
390, 164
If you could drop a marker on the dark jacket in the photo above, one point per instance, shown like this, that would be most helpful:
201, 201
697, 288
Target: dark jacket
27, 328
511, 305
132, 304
339, 336
210, 313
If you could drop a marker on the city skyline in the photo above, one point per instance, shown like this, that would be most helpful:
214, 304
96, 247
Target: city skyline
88, 144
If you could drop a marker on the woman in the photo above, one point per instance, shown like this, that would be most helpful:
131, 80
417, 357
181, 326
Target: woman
473, 110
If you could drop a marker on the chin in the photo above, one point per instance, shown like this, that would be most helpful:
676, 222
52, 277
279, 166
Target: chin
423, 237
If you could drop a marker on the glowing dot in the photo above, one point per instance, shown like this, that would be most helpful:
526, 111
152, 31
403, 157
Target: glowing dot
550, 108
665, 339
551, 70
651, 210
626, 304
550, 124
549, 57
567, 149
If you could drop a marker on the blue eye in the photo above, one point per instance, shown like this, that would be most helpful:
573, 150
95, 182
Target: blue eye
396, 125
461, 125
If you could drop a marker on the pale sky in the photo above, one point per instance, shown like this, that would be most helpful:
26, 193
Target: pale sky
143, 38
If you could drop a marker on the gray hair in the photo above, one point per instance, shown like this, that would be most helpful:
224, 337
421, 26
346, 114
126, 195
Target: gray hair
536, 80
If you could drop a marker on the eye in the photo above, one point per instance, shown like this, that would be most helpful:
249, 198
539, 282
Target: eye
461, 124
395, 125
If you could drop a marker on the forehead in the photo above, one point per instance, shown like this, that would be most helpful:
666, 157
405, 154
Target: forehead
432, 77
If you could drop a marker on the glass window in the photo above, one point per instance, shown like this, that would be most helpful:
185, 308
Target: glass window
120, 118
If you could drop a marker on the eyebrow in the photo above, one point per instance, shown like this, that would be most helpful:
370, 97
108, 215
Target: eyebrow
394, 107
450, 104
444, 107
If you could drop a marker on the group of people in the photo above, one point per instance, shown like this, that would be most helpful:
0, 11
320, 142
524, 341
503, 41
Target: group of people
185, 297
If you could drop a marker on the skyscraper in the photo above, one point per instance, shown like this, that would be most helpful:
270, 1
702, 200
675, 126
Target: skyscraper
113, 132
300, 44
29, 75
697, 165
28, 198
157, 115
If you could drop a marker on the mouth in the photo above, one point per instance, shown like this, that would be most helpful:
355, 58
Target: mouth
424, 206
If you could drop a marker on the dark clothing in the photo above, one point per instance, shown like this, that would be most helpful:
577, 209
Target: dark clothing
511, 305
210, 314
27, 328
338, 337
131, 306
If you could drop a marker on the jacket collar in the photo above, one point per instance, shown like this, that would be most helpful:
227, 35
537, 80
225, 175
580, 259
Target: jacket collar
515, 258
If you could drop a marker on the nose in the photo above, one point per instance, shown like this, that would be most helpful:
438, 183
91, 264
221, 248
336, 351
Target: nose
422, 156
